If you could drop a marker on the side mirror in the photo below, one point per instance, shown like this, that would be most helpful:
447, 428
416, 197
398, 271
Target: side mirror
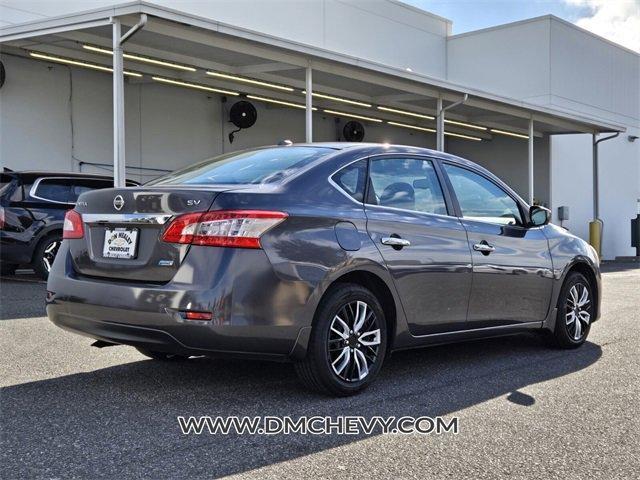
539, 215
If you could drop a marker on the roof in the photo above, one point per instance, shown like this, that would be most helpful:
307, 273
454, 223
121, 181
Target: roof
327, 64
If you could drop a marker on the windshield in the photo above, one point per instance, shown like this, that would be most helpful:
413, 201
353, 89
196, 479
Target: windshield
250, 167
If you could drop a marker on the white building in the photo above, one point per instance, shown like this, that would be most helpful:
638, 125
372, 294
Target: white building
545, 73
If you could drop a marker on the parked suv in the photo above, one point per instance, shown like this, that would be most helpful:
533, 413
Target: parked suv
32, 209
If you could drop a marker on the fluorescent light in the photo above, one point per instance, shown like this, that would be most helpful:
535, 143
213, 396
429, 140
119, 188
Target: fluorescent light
195, 86
338, 99
467, 125
279, 102
353, 115
413, 127
137, 58
404, 112
509, 134
431, 130
78, 63
260, 83
466, 137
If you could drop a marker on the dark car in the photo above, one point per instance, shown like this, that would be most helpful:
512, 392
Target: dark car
327, 255
32, 209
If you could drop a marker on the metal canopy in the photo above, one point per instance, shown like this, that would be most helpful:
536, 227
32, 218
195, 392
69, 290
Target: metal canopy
205, 45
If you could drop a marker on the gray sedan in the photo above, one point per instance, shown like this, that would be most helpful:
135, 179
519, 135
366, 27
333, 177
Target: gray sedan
327, 255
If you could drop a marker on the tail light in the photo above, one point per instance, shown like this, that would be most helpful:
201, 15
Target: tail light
222, 228
73, 227
1, 218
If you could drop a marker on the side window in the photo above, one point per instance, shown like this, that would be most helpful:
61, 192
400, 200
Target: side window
481, 199
53, 189
407, 183
85, 185
351, 179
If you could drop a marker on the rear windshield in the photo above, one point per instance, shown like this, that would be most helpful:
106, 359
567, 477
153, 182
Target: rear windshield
250, 167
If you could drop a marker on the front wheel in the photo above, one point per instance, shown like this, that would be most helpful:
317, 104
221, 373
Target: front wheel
348, 342
575, 312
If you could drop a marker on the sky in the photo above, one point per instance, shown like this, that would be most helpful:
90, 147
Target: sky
615, 20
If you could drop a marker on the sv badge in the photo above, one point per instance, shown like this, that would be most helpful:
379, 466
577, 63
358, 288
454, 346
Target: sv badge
193, 203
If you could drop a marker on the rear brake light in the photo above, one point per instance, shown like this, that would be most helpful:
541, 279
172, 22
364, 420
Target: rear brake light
73, 227
222, 228
203, 316
1, 218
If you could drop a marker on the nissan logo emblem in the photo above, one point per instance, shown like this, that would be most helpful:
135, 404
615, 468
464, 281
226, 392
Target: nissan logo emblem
118, 202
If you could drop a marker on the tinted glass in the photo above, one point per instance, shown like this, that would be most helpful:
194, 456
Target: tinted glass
86, 185
481, 199
269, 165
56, 190
407, 183
351, 179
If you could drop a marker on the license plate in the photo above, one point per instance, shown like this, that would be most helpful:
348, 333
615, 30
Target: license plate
120, 243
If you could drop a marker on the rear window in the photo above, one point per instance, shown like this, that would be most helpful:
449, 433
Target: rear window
252, 167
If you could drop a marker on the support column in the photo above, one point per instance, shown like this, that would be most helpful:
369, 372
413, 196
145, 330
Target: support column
309, 105
530, 163
439, 126
118, 109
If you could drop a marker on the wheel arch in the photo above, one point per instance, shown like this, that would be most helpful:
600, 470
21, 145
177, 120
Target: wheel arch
583, 267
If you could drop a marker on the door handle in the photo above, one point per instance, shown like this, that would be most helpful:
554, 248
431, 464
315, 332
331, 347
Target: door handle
484, 248
395, 242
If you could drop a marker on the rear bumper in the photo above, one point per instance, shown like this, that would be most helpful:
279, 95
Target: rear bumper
255, 313
14, 250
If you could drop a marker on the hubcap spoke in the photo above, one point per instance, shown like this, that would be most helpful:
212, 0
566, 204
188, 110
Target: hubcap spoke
361, 315
361, 363
370, 338
343, 360
345, 329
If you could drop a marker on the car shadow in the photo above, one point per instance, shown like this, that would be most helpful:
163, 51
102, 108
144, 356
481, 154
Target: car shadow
122, 420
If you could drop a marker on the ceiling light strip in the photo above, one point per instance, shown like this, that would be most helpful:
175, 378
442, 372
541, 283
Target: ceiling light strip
431, 130
235, 78
195, 86
463, 124
413, 127
78, 63
404, 112
509, 134
138, 58
353, 115
279, 102
338, 99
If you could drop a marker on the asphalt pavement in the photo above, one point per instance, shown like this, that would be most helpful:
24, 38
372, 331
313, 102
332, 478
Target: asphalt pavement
68, 410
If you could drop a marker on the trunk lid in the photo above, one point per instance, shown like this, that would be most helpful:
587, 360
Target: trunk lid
123, 229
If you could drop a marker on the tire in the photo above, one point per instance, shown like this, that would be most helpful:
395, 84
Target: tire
8, 268
573, 321
324, 369
45, 254
163, 356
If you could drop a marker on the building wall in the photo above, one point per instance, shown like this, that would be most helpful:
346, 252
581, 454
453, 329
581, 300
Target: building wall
167, 127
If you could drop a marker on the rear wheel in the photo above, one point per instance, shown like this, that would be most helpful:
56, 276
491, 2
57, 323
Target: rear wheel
46, 254
348, 342
575, 311
164, 356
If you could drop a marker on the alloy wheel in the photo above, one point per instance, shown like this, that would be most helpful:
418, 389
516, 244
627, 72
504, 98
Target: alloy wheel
354, 341
578, 311
49, 254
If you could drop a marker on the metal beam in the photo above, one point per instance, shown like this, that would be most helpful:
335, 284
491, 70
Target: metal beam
439, 126
309, 104
530, 161
118, 108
